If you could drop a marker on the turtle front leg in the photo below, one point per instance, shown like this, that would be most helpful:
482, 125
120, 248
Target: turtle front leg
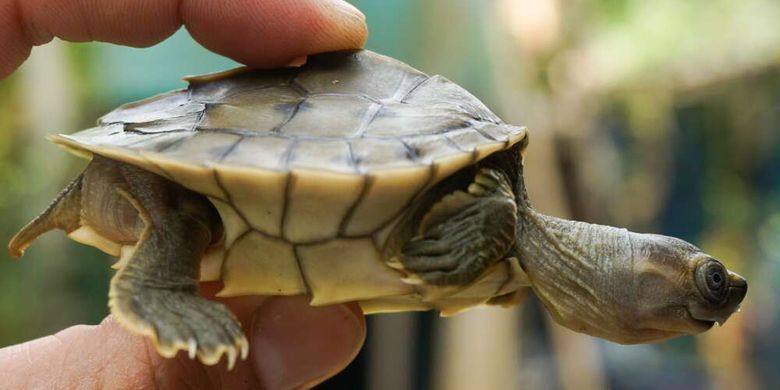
156, 292
462, 234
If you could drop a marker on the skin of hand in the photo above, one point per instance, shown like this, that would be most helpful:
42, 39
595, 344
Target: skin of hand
292, 345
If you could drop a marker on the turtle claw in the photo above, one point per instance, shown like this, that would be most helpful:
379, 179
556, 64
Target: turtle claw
243, 346
231, 358
413, 280
394, 263
182, 321
192, 348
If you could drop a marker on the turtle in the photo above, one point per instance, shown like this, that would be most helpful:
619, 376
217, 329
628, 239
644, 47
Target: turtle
351, 178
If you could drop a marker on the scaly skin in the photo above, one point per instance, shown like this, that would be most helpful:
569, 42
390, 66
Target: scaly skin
622, 286
155, 293
600, 280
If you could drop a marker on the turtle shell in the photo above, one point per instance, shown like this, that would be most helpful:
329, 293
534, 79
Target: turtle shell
305, 164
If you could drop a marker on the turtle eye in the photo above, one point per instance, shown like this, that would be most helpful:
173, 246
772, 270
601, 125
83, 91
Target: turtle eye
712, 280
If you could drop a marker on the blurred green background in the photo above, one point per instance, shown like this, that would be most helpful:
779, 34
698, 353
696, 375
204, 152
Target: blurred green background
659, 116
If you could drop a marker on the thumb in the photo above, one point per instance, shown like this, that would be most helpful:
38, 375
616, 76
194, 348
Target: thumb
292, 345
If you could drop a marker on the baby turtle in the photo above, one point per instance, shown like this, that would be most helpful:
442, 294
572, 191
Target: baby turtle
352, 178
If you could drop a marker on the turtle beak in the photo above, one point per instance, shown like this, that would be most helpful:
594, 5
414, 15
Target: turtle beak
736, 281
737, 289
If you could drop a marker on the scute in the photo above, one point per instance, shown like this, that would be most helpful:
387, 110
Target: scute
244, 274
260, 153
255, 196
442, 94
167, 112
330, 155
353, 260
385, 197
316, 113
391, 152
447, 107
262, 110
358, 73
318, 203
220, 87
202, 146
423, 148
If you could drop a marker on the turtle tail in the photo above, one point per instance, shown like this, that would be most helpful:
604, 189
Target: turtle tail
63, 213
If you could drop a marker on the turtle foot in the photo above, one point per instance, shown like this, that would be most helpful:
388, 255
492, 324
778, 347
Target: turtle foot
462, 234
448, 254
182, 321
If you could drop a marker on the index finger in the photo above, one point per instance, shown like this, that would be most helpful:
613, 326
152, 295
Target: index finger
259, 33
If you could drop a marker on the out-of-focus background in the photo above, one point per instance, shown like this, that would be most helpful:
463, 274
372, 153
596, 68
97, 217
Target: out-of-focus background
659, 116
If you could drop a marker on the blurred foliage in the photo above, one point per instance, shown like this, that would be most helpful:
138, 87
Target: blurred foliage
669, 111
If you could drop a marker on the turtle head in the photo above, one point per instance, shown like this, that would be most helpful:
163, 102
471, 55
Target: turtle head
622, 286
678, 289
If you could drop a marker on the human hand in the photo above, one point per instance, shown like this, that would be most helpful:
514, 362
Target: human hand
291, 344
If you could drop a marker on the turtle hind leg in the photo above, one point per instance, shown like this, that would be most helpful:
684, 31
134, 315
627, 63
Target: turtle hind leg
462, 234
64, 213
156, 292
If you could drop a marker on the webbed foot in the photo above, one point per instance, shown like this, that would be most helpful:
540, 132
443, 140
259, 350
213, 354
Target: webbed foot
180, 320
462, 234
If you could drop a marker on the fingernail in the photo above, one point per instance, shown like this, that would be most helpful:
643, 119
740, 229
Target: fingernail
347, 8
348, 27
295, 345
